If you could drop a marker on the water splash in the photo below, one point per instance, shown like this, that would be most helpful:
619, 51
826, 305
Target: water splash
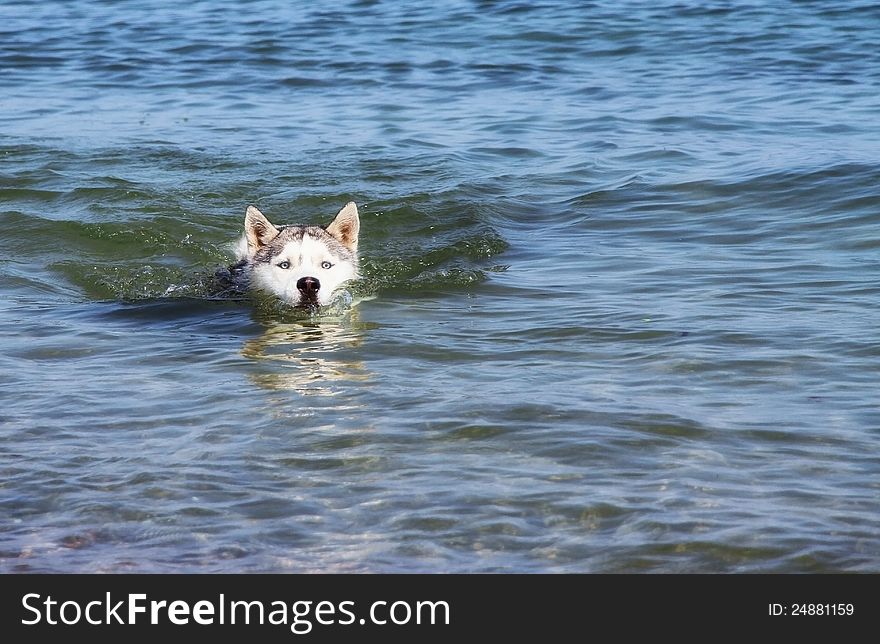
403, 250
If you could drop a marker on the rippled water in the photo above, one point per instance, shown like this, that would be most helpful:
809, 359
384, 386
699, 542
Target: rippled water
618, 310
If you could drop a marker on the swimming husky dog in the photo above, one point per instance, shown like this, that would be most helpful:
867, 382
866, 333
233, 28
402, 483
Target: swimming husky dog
301, 265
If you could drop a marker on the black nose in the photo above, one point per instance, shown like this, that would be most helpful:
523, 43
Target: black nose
308, 286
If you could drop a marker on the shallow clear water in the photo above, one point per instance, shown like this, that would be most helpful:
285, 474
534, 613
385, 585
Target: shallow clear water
619, 300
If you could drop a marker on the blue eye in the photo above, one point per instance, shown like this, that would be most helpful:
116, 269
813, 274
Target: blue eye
285, 264
326, 265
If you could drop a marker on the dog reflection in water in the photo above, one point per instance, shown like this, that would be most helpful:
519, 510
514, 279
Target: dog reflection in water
308, 356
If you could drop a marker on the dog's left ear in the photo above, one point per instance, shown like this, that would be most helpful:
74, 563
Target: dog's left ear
346, 226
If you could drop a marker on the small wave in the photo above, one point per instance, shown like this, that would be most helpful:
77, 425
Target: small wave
406, 248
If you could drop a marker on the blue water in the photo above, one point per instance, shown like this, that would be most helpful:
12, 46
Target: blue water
618, 306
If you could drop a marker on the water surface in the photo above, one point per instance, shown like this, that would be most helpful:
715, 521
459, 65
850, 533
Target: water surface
618, 306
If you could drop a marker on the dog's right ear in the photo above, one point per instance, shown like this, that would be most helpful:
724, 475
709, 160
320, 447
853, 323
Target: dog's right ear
257, 229
346, 226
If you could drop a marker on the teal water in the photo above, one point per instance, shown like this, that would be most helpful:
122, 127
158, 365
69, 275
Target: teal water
618, 306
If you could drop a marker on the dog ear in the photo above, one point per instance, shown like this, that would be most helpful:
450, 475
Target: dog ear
346, 226
257, 229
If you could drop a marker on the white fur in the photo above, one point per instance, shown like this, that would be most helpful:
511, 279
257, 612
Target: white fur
305, 259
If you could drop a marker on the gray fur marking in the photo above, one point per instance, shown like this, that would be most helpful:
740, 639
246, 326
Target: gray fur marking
295, 233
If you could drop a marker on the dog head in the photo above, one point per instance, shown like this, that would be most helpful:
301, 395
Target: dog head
301, 265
